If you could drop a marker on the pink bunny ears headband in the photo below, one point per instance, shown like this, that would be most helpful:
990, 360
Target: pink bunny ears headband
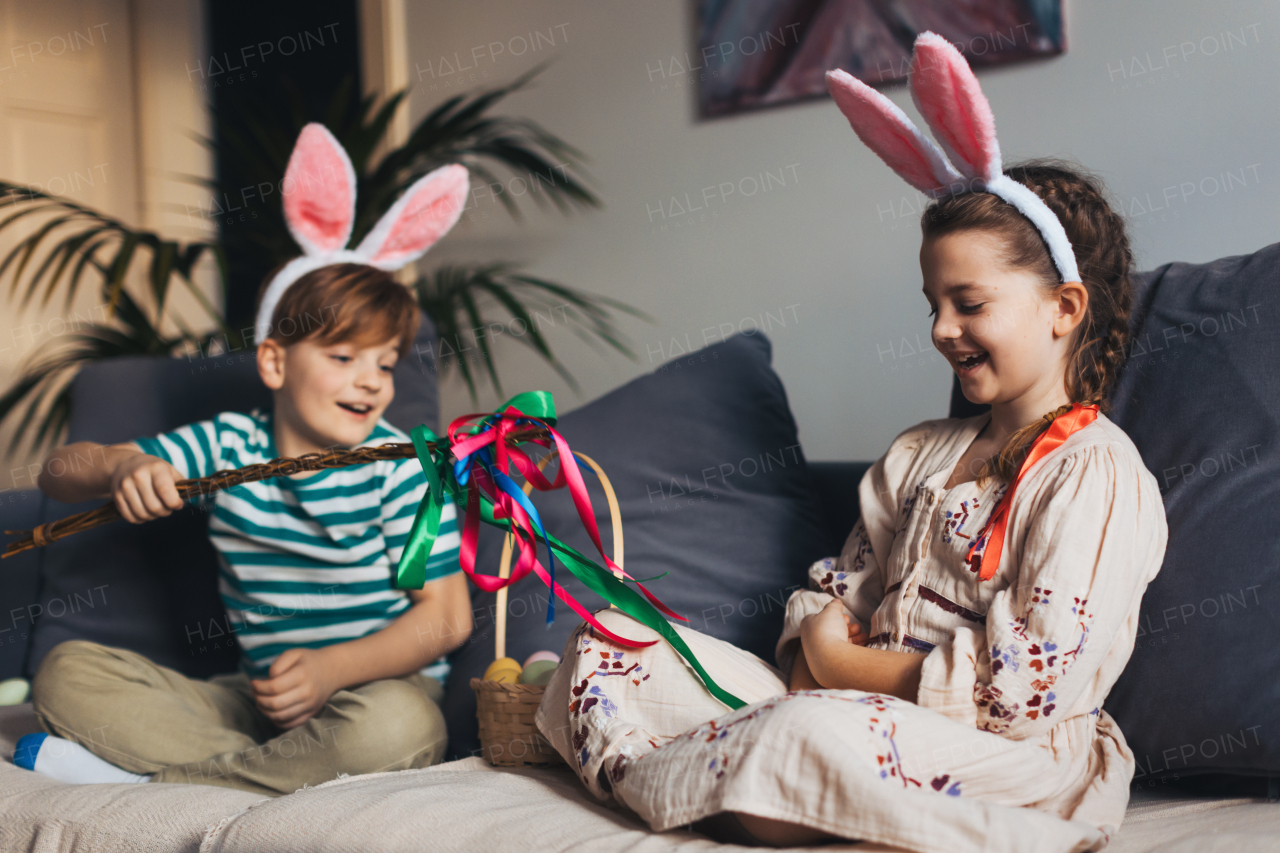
946, 93
319, 192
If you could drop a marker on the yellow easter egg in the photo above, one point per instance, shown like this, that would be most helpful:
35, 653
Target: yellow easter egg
505, 675
505, 670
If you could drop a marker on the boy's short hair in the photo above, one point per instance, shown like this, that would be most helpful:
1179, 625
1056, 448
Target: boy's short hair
345, 303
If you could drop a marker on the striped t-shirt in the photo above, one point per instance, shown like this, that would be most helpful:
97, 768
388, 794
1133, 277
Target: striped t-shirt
306, 562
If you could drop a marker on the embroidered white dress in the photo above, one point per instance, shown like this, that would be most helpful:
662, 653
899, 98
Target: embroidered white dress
1016, 668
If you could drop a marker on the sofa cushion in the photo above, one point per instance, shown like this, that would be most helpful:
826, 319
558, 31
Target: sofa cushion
152, 588
713, 487
1200, 397
527, 809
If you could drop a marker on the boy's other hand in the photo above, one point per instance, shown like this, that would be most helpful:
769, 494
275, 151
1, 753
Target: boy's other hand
296, 687
143, 487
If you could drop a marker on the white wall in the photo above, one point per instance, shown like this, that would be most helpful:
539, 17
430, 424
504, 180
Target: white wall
823, 244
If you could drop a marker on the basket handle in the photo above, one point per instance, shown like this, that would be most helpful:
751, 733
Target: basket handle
504, 566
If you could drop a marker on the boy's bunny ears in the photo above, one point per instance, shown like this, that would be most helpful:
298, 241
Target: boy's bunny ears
946, 93
319, 192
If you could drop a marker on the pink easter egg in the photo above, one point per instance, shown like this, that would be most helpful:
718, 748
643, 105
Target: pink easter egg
551, 656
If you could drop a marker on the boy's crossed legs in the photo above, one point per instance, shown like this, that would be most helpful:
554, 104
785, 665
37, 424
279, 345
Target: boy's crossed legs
148, 718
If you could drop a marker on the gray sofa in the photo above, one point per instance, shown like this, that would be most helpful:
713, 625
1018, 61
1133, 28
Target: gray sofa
155, 593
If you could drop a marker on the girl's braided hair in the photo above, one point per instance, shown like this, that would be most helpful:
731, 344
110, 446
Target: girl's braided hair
1101, 243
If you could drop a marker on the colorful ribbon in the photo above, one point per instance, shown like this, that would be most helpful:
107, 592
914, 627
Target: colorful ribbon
477, 480
987, 561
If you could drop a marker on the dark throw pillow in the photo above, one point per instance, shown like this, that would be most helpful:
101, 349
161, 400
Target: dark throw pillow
713, 487
1200, 397
153, 587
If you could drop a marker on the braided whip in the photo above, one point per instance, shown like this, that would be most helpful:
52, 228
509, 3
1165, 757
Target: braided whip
284, 466
434, 455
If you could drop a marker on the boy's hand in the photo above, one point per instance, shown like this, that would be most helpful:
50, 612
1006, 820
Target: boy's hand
143, 487
296, 687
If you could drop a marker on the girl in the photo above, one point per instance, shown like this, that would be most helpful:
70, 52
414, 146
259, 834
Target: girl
950, 666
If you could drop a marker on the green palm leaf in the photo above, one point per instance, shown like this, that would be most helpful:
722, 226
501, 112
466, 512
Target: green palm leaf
450, 294
69, 240
41, 397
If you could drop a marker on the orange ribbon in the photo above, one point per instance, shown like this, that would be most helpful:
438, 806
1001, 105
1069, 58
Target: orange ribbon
1074, 419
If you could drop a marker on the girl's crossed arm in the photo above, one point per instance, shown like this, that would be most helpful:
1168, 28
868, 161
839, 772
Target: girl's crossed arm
833, 654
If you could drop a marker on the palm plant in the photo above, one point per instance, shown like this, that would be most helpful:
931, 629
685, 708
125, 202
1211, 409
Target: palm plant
108, 249
454, 297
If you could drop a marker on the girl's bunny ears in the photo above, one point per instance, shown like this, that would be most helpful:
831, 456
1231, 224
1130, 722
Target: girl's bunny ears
946, 93
319, 192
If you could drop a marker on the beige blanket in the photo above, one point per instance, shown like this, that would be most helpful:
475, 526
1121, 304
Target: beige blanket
464, 806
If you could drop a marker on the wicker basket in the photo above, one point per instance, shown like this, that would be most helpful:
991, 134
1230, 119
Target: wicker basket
508, 735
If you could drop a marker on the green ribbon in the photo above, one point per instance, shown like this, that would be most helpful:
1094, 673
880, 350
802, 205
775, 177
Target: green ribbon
411, 570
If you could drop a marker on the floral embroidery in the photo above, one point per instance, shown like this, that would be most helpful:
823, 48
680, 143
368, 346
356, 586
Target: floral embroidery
1044, 658
974, 559
1006, 657
1083, 620
908, 504
594, 696
1040, 599
939, 782
715, 731
1001, 711
825, 564
882, 726
823, 574
885, 728
956, 519
625, 753
833, 583
858, 561
586, 696
612, 664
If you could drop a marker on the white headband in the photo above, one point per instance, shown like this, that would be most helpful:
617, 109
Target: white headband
319, 191
946, 93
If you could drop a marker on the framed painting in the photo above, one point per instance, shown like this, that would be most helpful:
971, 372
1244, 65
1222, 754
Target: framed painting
752, 54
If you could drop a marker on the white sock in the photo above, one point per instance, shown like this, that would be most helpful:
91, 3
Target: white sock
68, 761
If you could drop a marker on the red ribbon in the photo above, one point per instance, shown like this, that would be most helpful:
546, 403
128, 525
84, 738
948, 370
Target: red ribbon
1073, 420
463, 445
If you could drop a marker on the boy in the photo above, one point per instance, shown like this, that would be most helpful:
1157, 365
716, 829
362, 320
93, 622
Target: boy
336, 664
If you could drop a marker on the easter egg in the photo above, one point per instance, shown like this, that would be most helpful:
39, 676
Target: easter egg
536, 656
13, 691
505, 670
538, 673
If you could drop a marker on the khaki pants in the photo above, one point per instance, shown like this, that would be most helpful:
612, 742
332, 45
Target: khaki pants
148, 718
